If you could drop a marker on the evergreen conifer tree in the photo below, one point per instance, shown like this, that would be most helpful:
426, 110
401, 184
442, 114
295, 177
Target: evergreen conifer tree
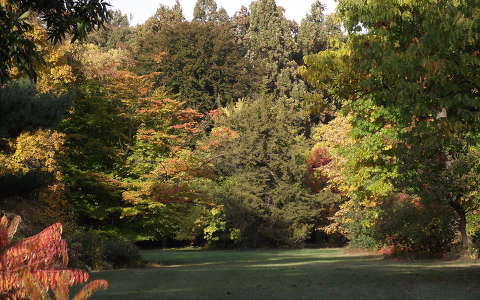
206, 11
271, 43
264, 171
165, 16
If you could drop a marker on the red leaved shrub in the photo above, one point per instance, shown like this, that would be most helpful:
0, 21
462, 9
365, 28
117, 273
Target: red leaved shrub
36, 267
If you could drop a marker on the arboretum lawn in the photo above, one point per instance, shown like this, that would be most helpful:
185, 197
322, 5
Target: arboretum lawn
289, 274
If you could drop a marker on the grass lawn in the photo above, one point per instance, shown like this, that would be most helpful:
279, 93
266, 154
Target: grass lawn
289, 274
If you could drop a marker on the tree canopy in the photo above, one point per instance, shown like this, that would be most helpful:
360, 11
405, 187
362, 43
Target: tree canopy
61, 18
201, 63
249, 131
406, 76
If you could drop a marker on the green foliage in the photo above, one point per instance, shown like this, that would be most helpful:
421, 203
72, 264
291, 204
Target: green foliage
121, 253
17, 50
264, 169
411, 229
215, 226
95, 198
97, 135
362, 237
406, 76
115, 34
134, 152
201, 63
215, 230
271, 43
317, 31
240, 23
100, 250
86, 251
206, 11
23, 109
95, 128
164, 16
95, 132
61, 18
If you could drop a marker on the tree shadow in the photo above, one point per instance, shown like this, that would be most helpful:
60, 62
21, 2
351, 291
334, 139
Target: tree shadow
294, 275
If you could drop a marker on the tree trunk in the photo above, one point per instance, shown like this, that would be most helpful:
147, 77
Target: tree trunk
462, 224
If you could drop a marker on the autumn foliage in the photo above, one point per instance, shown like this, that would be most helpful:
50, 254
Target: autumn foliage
36, 266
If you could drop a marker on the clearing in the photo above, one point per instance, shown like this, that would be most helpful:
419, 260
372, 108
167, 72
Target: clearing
289, 274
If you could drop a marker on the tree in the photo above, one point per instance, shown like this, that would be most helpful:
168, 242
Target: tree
206, 11
201, 63
119, 130
23, 109
317, 31
164, 16
30, 175
406, 75
60, 17
311, 36
222, 16
115, 34
154, 204
270, 41
262, 173
241, 23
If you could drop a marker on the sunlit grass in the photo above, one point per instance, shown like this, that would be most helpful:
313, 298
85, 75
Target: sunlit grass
289, 274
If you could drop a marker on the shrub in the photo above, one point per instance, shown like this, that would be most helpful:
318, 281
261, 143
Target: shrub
100, 250
410, 228
122, 253
36, 266
86, 251
361, 230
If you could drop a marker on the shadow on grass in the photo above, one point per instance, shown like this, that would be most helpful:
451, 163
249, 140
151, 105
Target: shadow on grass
289, 274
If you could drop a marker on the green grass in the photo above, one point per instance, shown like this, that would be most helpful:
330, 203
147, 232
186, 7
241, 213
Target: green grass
289, 274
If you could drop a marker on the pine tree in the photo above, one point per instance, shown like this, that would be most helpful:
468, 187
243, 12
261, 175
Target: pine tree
270, 41
117, 33
164, 16
318, 31
201, 63
204, 11
312, 36
241, 23
263, 172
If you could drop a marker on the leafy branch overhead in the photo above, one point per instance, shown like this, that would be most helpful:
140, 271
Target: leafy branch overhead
62, 18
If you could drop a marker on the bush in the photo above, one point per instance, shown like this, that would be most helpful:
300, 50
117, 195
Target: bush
86, 251
410, 228
99, 250
35, 267
363, 238
361, 230
121, 253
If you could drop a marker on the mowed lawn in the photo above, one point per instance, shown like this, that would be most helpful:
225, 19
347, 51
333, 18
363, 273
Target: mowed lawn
289, 274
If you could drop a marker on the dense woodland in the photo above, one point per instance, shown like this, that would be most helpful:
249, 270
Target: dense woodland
250, 131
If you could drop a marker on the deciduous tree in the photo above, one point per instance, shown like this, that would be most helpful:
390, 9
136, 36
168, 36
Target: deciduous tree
406, 75
61, 18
